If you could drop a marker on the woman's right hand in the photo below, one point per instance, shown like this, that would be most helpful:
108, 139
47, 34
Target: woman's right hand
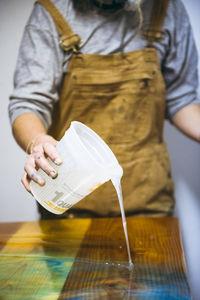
42, 148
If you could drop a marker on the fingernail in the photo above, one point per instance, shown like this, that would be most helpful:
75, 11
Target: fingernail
58, 161
53, 174
41, 181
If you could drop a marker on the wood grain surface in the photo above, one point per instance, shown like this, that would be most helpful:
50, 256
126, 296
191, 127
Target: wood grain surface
87, 259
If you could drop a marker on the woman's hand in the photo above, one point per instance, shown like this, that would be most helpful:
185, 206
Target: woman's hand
43, 146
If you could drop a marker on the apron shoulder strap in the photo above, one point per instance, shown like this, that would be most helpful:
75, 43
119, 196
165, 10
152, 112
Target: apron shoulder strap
69, 40
154, 33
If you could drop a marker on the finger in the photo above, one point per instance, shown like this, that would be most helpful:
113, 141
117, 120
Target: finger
26, 182
42, 163
52, 153
33, 174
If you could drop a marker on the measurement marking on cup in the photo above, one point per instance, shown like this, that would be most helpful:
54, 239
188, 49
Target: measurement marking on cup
58, 196
55, 207
61, 204
96, 187
71, 191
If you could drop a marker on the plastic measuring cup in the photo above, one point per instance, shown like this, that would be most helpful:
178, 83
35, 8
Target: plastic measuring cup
88, 162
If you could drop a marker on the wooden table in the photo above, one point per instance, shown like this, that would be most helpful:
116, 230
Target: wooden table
87, 259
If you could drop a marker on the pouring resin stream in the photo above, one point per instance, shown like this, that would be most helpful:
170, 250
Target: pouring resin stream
117, 185
88, 162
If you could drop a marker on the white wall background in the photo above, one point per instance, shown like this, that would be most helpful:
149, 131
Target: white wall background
17, 205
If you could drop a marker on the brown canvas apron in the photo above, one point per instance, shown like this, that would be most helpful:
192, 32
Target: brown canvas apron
122, 98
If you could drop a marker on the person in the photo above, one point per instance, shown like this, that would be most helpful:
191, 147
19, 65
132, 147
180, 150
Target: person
120, 67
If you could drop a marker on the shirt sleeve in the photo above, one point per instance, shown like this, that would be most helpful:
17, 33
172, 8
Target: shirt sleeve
39, 70
180, 64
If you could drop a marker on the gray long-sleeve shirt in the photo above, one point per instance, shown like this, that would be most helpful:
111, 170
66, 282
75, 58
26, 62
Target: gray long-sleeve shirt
42, 64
